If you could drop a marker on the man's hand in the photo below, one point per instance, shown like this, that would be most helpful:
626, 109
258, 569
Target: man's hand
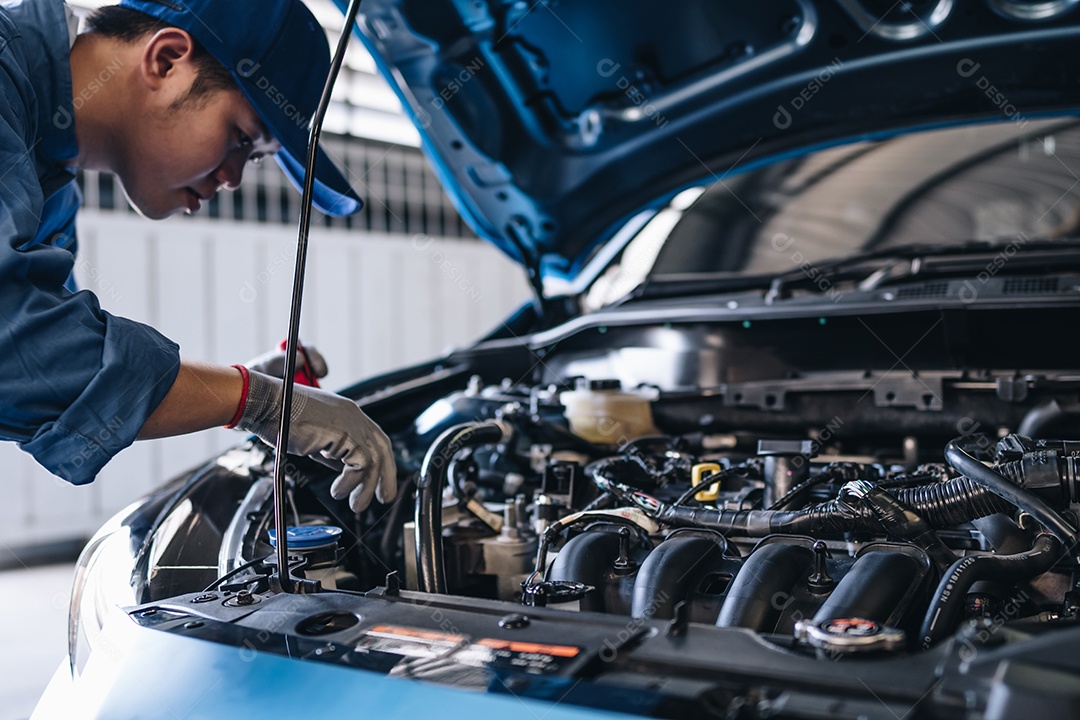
273, 364
331, 429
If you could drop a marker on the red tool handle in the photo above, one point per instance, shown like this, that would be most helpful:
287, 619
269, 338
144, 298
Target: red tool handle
304, 374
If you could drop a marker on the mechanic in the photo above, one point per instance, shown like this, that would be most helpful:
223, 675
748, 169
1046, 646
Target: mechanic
174, 98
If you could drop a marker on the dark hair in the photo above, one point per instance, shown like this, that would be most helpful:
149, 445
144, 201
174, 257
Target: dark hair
127, 25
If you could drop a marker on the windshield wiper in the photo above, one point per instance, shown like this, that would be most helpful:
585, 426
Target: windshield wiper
1013, 246
872, 269
900, 264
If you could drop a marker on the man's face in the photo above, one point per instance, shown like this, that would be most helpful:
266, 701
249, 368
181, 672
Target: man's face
179, 157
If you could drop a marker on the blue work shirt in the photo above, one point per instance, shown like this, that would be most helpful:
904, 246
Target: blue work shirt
76, 383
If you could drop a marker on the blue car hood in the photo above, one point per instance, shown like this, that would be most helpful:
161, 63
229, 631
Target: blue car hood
552, 122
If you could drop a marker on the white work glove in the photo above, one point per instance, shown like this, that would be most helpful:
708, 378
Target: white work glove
331, 429
273, 363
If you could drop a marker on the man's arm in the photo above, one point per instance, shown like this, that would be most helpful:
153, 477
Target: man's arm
326, 426
203, 396
76, 383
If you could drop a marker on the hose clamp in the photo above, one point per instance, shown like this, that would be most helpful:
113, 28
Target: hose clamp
857, 488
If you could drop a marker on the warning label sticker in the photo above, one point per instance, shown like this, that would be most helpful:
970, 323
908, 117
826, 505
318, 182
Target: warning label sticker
410, 642
488, 653
532, 658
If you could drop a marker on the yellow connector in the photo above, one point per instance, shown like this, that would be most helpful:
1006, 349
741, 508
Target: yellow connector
700, 472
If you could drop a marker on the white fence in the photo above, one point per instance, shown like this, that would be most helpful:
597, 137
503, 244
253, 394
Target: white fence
373, 302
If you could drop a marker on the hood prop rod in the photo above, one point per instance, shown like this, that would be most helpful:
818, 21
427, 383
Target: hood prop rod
531, 261
287, 582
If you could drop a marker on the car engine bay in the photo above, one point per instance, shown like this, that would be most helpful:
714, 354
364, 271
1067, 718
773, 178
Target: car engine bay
911, 525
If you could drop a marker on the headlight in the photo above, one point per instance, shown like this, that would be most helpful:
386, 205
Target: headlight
102, 587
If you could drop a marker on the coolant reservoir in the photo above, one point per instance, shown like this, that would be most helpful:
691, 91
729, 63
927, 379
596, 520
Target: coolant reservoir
600, 411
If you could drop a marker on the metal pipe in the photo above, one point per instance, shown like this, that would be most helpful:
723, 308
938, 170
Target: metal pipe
280, 522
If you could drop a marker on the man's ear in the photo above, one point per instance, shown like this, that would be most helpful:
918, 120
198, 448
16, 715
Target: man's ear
165, 63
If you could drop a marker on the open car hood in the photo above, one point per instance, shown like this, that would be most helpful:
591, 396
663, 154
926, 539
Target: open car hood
552, 122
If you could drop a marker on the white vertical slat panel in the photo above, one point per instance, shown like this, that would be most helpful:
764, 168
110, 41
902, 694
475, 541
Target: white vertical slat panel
452, 302
183, 306
90, 190
492, 309
357, 299
50, 509
476, 315
415, 299
237, 296
381, 322
126, 263
255, 178
465, 292
330, 325
273, 180
276, 277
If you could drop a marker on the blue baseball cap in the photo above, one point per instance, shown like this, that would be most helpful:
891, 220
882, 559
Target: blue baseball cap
279, 56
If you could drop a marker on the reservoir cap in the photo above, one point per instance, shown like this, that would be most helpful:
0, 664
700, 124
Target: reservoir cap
308, 536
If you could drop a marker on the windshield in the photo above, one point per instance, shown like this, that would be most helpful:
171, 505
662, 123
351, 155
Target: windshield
943, 187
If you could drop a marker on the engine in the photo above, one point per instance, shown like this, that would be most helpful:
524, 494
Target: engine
829, 542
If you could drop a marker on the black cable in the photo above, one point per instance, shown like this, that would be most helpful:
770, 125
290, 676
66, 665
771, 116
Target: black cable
944, 504
1022, 498
605, 500
899, 520
798, 490
556, 528
830, 473
233, 573
708, 482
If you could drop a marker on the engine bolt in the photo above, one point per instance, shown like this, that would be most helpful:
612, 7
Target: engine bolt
514, 621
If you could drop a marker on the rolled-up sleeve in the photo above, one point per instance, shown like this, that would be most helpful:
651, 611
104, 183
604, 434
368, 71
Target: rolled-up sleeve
76, 383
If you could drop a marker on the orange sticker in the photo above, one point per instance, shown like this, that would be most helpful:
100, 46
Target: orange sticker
428, 635
527, 647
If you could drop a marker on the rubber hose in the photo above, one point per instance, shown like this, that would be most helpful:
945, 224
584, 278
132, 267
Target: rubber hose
1024, 499
951, 594
903, 522
586, 559
671, 572
945, 504
873, 588
760, 591
1050, 419
952, 502
1003, 534
430, 571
